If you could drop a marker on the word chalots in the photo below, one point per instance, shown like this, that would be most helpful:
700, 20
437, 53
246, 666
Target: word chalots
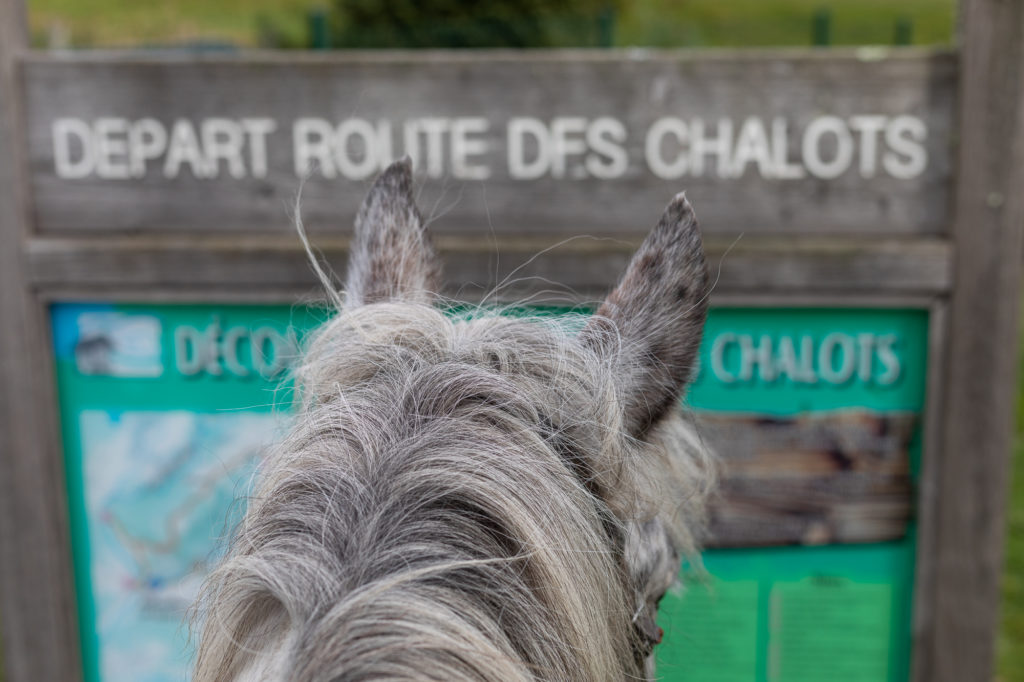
836, 358
476, 148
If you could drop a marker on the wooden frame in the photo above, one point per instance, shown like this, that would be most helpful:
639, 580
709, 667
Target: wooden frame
965, 505
36, 594
966, 273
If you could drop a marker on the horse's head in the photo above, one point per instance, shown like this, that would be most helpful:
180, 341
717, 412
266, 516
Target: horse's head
471, 496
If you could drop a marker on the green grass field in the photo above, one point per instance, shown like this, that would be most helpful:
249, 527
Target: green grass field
660, 23
120, 23
751, 23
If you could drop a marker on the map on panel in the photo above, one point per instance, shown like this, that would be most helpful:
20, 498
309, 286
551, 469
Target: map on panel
164, 423
156, 484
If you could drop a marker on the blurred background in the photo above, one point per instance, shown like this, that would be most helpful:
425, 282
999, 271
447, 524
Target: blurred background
231, 24
226, 25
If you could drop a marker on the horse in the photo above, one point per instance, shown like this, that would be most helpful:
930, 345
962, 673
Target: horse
471, 497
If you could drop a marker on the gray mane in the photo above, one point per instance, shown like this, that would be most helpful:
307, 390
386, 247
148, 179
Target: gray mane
474, 497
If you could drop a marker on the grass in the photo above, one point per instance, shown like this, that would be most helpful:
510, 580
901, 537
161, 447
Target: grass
658, 23
129, 23
754, 23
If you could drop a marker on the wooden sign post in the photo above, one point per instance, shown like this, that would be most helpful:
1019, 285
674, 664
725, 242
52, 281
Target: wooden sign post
859, 211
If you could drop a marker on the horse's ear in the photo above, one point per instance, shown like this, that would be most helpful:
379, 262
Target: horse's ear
650, 327
392, 257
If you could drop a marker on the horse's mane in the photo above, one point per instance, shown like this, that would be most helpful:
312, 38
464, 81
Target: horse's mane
459, 498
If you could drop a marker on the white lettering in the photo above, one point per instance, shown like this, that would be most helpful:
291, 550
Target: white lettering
653, 143
188, 350
111, 148
64, 131
815, 164
869, 127
184, 149
718, 349
752, 145
222, 141
827, 369
564, 142
784, 169
891, 368
434, 129
518, 166
463, 147
718, 147
759, 356
230, 351
908, 157
605, 137
147, 140
355, 149
257, 130
836, 359
311, 139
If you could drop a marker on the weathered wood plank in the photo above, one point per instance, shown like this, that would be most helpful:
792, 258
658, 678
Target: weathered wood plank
783, 142
966, 520
37, 607
827, 478
928, 484
582, 268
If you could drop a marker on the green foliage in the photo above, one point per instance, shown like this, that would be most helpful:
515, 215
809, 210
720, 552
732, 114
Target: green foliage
654, 23
768, 23
467, 23
130, 23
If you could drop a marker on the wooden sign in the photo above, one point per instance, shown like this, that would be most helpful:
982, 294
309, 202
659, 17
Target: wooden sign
507, 142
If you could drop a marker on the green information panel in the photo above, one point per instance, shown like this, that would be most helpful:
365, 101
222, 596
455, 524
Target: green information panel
166, 409
839, 613
802, 614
